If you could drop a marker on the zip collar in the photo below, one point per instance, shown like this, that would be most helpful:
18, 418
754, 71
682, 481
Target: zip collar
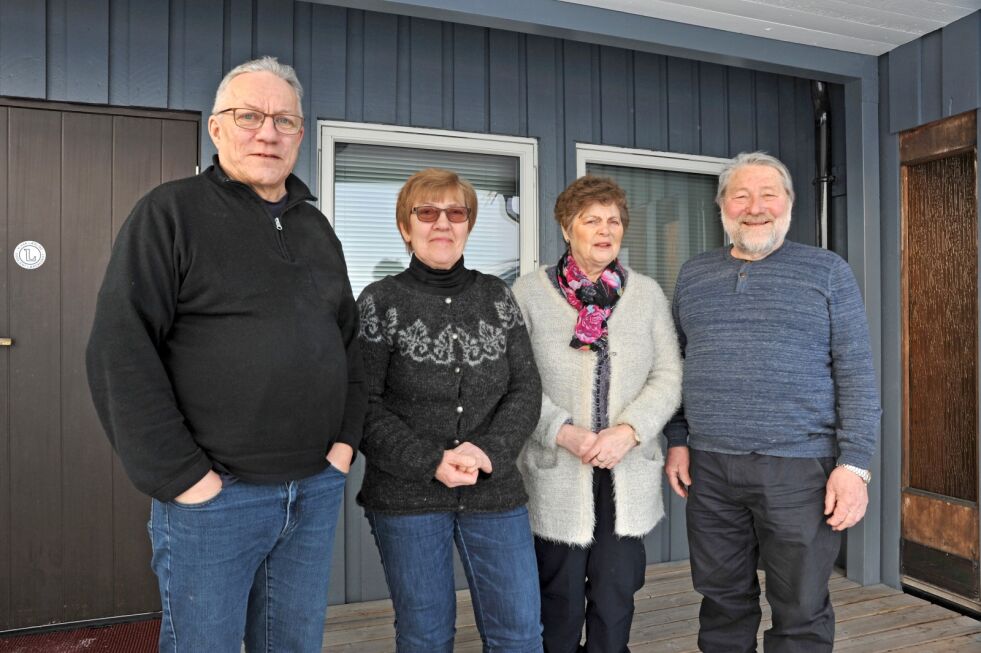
296, 190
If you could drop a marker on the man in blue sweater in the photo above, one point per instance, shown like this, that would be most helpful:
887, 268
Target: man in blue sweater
773, 444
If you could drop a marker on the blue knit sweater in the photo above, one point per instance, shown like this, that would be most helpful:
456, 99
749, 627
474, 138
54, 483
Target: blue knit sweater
777, 357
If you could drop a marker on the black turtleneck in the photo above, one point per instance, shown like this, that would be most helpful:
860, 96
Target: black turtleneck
445, 283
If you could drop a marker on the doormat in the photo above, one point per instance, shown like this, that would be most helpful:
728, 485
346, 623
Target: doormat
133, 637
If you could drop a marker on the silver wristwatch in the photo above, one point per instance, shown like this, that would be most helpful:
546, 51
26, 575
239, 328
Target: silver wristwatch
863, 474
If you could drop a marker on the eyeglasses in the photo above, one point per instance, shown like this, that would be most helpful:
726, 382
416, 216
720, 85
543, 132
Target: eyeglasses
285, 123
429, 213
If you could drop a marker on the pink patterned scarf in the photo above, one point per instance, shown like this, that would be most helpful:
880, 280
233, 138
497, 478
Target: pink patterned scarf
594, 301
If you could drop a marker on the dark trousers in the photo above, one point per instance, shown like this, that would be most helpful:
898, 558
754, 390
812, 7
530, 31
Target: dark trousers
595, 585
752, 508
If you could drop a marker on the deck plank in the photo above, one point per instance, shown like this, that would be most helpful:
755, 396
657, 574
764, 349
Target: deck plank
874, 619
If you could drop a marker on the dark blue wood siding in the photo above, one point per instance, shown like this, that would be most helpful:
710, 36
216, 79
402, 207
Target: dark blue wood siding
382, 68
935, 76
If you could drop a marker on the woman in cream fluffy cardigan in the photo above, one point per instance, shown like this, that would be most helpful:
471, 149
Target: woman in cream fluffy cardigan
608, 355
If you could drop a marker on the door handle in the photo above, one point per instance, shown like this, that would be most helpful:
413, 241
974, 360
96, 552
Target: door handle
6, 342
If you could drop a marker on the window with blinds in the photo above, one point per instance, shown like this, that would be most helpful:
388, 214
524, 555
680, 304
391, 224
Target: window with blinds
673, 215
368, 167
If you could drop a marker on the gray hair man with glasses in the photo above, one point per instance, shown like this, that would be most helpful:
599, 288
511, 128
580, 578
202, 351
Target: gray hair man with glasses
225, 368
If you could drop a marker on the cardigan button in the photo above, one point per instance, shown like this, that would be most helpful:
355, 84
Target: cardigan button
453, 336
449, 300
456, 369
456, 442
459, 409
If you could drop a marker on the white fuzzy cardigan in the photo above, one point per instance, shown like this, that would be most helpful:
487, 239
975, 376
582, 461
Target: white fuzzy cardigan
645, 391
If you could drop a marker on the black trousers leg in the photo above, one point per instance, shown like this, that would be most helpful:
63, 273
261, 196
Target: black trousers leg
723, 554
594, 586
753, 507
561, 572
614, 572
798, 550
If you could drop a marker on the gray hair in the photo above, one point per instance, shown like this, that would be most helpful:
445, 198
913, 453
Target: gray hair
263, 65
754, 159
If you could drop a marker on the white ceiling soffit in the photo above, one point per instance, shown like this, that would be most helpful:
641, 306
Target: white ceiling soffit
862, 26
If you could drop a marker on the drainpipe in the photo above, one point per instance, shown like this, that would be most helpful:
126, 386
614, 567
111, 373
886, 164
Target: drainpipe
822, 151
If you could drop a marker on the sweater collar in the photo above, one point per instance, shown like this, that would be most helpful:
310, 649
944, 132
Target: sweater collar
445, 283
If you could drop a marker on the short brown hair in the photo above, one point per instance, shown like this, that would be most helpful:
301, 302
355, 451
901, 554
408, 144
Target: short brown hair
428, 184
589, 189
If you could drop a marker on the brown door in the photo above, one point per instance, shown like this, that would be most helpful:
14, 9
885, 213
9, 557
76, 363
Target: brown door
73, 540
940, 348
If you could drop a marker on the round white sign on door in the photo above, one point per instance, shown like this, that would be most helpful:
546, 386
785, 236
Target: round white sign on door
30, 255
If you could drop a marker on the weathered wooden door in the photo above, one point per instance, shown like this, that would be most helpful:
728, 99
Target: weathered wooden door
940, 530
73, 541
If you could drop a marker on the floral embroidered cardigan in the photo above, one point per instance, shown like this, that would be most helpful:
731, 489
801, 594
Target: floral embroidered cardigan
442, 371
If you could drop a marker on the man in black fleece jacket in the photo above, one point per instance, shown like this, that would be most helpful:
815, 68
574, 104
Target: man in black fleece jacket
225, 368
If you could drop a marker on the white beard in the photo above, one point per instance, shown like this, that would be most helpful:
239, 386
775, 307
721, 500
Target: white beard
755, 241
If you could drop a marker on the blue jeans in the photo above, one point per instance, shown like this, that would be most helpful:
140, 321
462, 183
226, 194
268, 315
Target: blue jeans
252, 564
498, 556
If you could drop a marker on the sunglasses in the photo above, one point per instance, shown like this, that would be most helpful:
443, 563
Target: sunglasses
429, 213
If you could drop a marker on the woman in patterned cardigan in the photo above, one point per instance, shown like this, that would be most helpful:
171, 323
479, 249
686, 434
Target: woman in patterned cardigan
453, 395
611, 373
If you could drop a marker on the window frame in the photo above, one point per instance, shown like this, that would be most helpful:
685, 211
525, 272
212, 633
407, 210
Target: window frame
330, 132
650, 159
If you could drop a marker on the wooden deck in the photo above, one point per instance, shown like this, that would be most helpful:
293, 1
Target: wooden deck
872, 619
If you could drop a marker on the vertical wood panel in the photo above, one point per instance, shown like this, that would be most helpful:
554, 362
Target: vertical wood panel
86, 481
545, 120
237, 42
87, 51
470, 78
355, 66
136, 161
138, 53
904, 86
176, 51
426, 74
380, 67
22, 48
272, 29
5, 252
805, 208
506, 93
650, 101
961, 64
931, 78
35, 415
578, 95
741, 102
682, 106
713, 110
402, 74
788, 150
56, 64
178, 149
616, 97
448, 54
767, 113
328, 67
196, 76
